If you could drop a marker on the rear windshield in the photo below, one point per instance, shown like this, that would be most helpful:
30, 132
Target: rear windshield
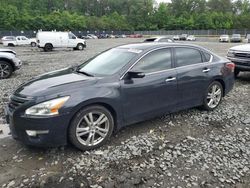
150, 40
236, 35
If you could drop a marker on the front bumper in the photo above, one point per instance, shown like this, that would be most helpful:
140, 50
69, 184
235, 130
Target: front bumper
54, 129
240, 64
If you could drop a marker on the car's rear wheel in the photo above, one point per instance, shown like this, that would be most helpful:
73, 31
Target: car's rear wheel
213, 96
11, 44
5, 70
80, 47
236, 73
48, 47
91, 127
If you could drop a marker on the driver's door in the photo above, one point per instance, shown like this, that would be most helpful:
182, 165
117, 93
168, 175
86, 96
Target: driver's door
71, 41
154, 94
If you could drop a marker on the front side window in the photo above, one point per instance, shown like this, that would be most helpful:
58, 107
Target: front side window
155, 61
187, 56
108, 62
72, 36
24, 38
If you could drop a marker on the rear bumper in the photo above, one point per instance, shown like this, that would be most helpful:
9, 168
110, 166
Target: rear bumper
241, 64
55, 129
17, 62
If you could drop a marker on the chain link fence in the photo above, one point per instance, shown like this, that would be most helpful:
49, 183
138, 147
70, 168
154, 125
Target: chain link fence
31, 34
215, 32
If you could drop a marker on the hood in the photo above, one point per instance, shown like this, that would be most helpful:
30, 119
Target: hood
244, 47
55, 82
8, 51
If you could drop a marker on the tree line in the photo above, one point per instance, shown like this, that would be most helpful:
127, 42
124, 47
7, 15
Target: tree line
123, 14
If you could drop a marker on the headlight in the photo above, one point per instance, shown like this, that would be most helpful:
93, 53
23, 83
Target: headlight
230, 53
47, 108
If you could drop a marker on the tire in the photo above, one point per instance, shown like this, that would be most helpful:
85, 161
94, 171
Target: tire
33, 44
48, 47
213, 96
236, 73
6, 70
80, 47
85, 135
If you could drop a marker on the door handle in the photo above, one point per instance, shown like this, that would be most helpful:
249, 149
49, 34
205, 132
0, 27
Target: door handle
206, 70
170, 79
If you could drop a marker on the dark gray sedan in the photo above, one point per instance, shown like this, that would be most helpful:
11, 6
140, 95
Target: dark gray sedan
121, 86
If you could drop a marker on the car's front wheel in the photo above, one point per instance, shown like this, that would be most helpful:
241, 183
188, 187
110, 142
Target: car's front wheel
91, 127
33, 44
213, 96
5, 70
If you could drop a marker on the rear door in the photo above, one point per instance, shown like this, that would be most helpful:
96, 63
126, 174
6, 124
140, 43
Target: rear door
192, 76
154, 94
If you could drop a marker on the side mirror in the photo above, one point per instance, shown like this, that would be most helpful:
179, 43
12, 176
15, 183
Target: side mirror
73, 37
133, 74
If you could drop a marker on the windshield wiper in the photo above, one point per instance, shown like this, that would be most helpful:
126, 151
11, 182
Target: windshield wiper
82, 72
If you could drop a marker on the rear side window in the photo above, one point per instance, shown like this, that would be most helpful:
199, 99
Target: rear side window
187, 56
155, 61
207, 56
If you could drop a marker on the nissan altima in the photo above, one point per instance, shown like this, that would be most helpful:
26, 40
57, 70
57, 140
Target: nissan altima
85, 104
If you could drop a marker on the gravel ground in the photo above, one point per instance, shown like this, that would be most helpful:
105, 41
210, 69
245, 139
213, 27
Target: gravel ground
191, 148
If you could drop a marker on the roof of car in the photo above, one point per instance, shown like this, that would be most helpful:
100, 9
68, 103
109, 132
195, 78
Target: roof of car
148, 46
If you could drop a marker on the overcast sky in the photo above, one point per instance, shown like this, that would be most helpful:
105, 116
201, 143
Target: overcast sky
159, 1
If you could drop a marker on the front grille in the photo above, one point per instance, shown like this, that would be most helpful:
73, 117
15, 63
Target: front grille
16, 101
242, 55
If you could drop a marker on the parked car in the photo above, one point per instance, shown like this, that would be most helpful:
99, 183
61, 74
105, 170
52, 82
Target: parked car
7, 38
49, 40
176, 37
224, 38
121, 86
111, 36
191, 38
135, 36
159, 39
103, 36
183, 37
236, 38
92, 36
8, 63
20, 41
240, 55
248, 38
84, 37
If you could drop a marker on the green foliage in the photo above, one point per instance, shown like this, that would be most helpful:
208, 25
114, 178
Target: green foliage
123, 14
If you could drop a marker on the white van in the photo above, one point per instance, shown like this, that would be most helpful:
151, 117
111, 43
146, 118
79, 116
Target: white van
52, 39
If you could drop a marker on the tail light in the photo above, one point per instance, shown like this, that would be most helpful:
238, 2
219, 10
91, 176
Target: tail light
230, 66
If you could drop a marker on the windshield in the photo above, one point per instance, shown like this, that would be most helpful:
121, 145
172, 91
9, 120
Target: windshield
108, 62
236, 35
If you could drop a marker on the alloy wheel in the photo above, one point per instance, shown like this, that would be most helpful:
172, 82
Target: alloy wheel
5, 70
93, 128
214, 96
